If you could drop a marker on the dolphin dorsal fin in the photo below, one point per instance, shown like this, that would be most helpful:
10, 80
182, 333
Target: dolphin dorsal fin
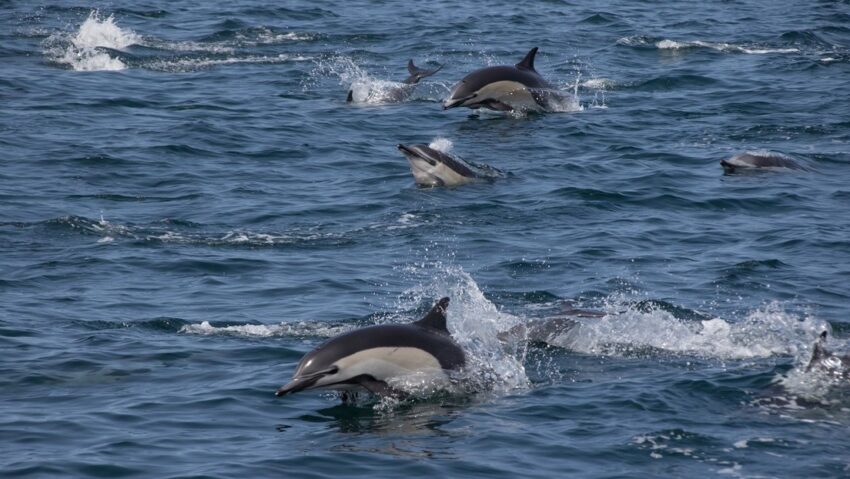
411, 67
818, 351
527, 63
436, 318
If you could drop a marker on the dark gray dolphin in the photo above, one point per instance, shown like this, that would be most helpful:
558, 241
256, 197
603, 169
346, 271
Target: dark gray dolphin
504, 88
828, 362
401, 93
754, 160
431, 167
371, 356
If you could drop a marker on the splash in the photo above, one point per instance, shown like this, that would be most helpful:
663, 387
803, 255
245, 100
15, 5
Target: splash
84, 50
818, 385
365, 88
627, 329
475, 323
442, 144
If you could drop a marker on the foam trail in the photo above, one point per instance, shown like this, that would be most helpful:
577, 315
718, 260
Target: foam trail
299, 329
674, 45
765, 332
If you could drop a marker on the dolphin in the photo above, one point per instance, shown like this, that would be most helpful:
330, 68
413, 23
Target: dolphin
401, 93
829, 362
370, 357
432, 167
758, 160
504, 88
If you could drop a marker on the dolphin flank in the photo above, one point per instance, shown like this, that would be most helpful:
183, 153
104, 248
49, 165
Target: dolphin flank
370, 357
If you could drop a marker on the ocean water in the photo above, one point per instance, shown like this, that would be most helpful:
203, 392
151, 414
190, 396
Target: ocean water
188, 205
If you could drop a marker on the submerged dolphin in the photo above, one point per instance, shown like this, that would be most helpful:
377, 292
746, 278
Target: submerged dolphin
432, 167
401, 93
750, 160
504, 88
371, 356
826, 361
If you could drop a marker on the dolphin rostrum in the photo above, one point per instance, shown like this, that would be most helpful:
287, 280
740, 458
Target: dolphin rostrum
401, 93
372, 357
504, 88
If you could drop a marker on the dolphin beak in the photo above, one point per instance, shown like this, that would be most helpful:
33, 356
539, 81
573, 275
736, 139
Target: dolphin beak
296, 385
405, 149
455, 102
304, 382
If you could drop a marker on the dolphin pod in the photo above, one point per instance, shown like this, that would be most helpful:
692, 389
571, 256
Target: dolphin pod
374, 358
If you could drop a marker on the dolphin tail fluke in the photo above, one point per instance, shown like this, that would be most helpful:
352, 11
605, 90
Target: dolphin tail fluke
527, 63
417, 73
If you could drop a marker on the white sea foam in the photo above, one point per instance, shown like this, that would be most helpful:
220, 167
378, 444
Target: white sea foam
719, 46
82, 52
299, 329
193, 64
667, 44
765, 332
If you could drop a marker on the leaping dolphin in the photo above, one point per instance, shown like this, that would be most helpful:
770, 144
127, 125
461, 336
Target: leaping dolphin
504, 88
372, 356
401, 93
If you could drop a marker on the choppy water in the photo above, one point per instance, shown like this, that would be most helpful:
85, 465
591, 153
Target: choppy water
188, 205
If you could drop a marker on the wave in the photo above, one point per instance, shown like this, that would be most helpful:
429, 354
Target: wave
170, 231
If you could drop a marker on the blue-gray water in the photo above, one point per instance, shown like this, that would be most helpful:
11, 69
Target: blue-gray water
188, 205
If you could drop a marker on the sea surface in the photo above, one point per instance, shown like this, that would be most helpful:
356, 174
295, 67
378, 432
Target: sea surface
188, 205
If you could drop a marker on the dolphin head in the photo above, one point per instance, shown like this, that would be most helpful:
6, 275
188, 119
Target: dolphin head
432, 167
316, 369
